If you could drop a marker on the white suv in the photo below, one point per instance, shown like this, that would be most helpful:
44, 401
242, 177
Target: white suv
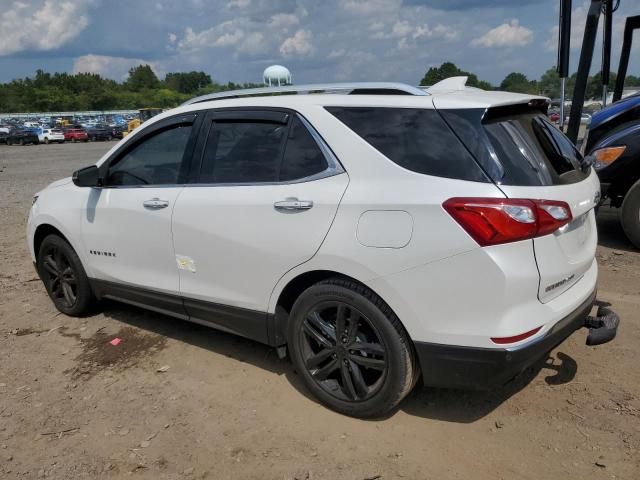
50, 135
374, 230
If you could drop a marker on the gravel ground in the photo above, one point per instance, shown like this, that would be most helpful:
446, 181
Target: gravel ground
72, 406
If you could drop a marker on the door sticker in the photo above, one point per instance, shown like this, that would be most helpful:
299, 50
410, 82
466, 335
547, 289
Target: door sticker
186, 263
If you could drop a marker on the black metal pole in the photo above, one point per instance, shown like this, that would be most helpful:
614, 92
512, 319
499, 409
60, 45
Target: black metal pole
584, 66
564, 39
606, 48
631, 24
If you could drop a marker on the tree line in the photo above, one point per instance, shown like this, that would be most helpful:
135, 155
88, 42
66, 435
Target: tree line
548, 85
46, 92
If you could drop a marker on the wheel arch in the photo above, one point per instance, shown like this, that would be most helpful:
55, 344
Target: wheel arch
294, 288
42, 231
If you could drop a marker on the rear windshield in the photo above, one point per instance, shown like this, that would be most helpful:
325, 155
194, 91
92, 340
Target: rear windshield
533, 152
415, 138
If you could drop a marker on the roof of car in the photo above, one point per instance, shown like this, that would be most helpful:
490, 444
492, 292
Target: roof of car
458, 99
449, 93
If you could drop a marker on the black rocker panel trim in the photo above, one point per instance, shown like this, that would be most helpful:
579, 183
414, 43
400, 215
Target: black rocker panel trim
240, 321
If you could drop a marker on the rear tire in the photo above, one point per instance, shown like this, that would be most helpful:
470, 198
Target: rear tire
630, 214
359, 362
64, 277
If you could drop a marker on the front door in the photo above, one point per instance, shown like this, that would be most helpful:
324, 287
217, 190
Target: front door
262, 201
127, 223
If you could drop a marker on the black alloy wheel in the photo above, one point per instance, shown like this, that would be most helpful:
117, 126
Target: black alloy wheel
350, 349
343, 352
59, 277
64, 277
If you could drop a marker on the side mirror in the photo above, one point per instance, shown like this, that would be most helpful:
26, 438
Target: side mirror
87, 177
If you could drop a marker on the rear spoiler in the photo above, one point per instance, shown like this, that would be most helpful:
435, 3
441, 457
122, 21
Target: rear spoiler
536, 105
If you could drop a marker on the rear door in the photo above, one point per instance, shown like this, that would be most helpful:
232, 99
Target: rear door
539, 162
263, 197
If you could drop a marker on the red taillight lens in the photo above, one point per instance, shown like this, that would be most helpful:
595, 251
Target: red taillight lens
492, 221
551, 216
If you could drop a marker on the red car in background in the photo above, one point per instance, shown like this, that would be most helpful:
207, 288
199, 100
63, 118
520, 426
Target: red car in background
75, 135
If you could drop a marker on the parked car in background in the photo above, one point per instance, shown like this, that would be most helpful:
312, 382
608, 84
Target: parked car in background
5, 128
613, 144
50, 135
75, 134
117, 131
99, 131
22, 136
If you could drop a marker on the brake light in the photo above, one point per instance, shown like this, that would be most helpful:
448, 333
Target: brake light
492, 221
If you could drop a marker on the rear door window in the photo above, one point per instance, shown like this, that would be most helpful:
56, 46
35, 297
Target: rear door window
414, 138
264, 147
242, 152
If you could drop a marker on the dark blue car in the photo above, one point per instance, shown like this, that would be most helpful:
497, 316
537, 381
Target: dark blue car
613, 142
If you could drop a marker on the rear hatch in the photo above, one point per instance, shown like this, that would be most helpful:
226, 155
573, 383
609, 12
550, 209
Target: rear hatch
528, 157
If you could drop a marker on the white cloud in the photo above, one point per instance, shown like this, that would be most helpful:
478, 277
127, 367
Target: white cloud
116, 68
253, 44
371, 7
297, 45
444, 31
406, 33
240, 4
41, 26
283, 21
510, 34
226, 39
236, 34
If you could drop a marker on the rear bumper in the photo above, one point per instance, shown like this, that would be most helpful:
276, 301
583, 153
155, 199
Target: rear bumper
449, 366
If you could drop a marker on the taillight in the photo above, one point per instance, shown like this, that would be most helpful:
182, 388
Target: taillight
492, 221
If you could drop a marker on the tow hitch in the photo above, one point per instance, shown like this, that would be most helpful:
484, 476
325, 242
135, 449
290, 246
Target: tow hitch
603, 327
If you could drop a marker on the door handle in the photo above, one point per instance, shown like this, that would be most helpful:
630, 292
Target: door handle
292, 204
155, 204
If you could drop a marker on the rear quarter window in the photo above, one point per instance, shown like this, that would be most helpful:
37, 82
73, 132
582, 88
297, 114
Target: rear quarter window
414, 138
533, 152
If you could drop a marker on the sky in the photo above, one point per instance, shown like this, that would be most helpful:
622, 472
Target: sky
319, 41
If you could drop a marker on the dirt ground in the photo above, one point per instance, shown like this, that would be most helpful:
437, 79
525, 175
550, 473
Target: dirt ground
74, 406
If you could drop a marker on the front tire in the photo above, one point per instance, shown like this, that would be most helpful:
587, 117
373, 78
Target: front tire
350, 349
46, 141
64, 277
630, 214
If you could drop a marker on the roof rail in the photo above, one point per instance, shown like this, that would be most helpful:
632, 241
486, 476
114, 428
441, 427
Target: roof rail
356, 88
